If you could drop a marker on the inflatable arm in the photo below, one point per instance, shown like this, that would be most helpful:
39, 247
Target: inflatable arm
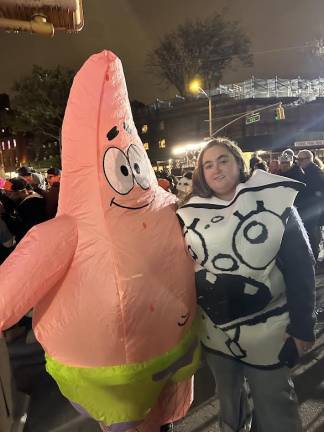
40, 260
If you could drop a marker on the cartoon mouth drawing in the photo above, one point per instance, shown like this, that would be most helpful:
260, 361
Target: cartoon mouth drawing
113, 202
230, 297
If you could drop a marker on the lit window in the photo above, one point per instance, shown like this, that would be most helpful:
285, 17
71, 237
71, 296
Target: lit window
162, 143
146, 146
144, 129
2, 145
14, 143
9, 146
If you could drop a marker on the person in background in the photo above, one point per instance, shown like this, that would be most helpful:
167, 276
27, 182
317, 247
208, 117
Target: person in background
255, 284
274, 166
317, 161
291, 153
164, 180
290, 169
7, 240
164, 183
31, 177
29, 207
253, 161
262, 165
52, 194
312, 205
184, 185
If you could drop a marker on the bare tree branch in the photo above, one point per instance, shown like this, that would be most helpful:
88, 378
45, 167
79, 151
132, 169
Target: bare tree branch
199, 48
39, 103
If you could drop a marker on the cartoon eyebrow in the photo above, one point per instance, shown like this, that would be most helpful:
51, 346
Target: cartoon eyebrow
127, 128
112, 133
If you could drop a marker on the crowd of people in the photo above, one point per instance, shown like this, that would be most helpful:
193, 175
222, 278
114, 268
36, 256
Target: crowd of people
26, 200
304, 167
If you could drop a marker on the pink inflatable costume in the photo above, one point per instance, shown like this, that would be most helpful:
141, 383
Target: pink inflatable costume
109, 278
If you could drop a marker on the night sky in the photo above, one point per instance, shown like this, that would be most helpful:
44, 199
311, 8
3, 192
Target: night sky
132, 27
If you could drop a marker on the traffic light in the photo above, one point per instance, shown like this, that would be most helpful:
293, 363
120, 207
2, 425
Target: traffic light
280, 113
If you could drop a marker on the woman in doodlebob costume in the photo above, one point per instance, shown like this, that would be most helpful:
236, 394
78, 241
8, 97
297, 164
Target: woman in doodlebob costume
255, 284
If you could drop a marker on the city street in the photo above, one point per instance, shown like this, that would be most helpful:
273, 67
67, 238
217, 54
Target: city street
132, 139
50, 412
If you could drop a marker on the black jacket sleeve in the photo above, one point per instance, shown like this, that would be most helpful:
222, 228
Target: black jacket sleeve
296, 261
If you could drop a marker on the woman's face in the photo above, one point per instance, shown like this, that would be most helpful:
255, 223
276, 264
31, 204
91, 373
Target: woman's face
221, 171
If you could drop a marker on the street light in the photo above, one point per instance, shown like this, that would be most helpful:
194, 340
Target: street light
195, 87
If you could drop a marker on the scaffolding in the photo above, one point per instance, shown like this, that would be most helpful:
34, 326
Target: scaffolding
274, 87
254, 88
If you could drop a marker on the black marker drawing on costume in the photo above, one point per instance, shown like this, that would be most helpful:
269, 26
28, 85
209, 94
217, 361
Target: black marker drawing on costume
203, 251
255, 232
228, 297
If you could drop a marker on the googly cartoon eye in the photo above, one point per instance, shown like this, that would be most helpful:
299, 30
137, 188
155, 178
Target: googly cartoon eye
118, 171
256, 237
139, 166
225, 262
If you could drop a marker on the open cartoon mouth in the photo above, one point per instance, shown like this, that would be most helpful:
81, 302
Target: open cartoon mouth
185, 318
130, 208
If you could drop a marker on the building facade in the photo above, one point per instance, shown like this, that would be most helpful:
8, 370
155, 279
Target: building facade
166, 124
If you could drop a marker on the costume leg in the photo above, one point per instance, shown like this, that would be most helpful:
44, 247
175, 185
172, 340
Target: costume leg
274, 398
229, 379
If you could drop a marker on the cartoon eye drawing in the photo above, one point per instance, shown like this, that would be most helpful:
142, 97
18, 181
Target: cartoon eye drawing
139, 166
196, 244
225, 262
256, 235
118, 171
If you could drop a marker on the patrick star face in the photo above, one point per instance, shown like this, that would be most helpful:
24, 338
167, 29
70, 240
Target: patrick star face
126, 176
128, 171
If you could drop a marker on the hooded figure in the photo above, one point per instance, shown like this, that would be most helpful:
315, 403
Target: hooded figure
117, 325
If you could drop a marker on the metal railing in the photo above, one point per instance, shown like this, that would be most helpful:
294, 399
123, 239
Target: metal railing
274, 87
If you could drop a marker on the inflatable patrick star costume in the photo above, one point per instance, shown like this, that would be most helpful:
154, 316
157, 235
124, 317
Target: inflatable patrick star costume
109, 278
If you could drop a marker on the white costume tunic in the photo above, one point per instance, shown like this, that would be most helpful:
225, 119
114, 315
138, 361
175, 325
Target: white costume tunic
241, 291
